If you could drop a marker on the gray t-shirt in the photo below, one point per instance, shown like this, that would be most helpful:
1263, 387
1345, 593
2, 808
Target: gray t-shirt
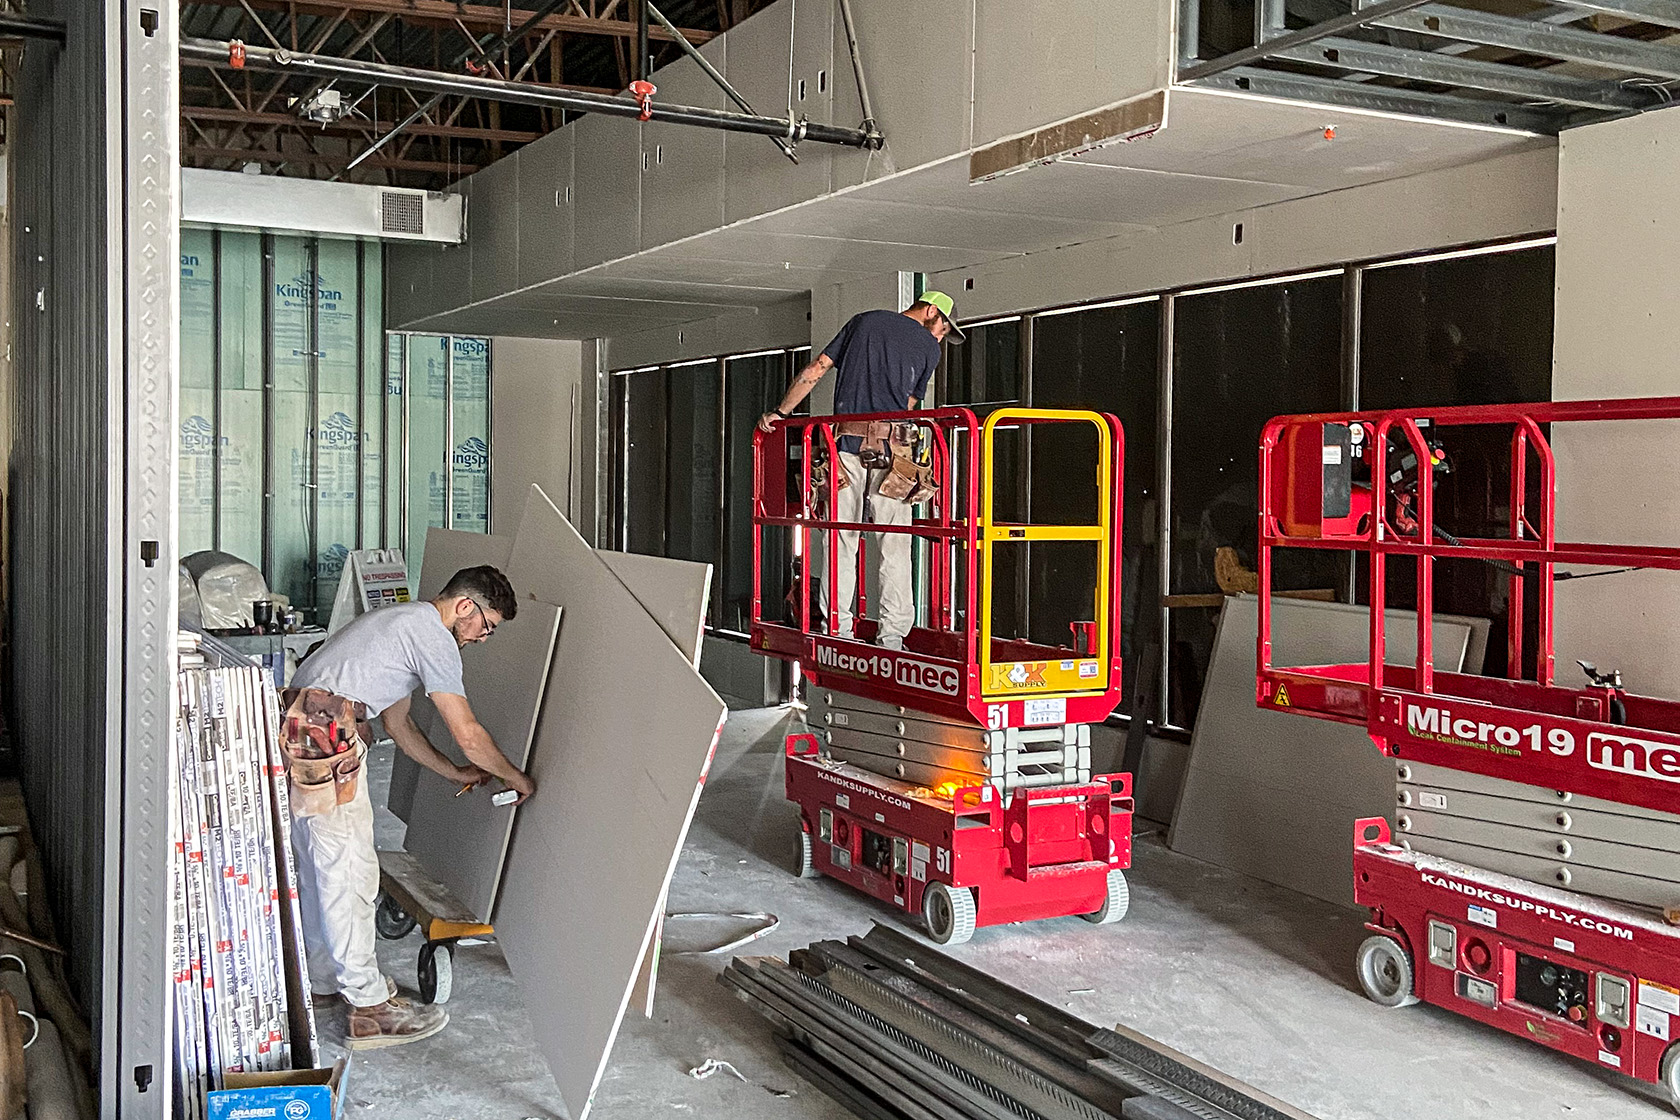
380, 656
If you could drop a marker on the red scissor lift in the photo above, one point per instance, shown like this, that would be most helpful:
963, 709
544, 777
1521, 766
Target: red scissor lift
961, 852
1584, 975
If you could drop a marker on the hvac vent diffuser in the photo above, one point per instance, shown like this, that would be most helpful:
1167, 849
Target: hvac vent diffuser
402, 212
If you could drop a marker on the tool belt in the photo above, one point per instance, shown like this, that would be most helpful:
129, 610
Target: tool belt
323, 739
892, 447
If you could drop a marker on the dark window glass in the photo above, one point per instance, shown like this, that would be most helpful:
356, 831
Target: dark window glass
1104, 359
752, 387
984, 373
1240, 357
646, 409
985, 370
693, 463
1470, 330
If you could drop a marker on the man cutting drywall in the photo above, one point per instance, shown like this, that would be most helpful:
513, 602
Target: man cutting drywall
371, 668
885, 359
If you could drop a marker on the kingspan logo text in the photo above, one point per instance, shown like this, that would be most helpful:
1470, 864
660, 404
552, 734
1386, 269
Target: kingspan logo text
1528, 905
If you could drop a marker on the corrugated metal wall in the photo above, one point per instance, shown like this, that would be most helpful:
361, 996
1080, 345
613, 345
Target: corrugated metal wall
58, 674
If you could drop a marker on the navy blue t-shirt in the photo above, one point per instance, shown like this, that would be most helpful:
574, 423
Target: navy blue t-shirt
883, 359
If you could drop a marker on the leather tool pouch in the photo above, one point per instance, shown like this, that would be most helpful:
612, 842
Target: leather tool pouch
907, 480
323, 739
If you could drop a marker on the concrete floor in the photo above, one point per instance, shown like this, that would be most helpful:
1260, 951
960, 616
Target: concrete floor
1251, 978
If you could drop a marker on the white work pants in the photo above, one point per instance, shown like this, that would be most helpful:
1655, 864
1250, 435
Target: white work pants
898, 605
338, 885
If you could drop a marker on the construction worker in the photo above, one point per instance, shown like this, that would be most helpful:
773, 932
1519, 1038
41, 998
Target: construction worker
371, 668
885, 360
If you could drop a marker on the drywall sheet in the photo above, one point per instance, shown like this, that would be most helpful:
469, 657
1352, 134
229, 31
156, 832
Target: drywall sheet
623, 743
461, 841
676, 593
447, 552
1275, 795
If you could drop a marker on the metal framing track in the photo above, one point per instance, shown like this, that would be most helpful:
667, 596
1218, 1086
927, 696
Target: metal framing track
897, 1030
1441, 82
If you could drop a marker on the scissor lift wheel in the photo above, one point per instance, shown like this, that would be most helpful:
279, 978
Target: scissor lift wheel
1115, 903
1385, 972
803, 863
391, 920
436, 971
949, 913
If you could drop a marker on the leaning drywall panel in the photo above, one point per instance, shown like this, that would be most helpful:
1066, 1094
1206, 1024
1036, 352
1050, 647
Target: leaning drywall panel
608, 177
1619, 232
1274, 794
675, 592
537, 414
461, 839
447, 552
620, 691
493, 234
682, 178
547, 203
1034, 70
758, 178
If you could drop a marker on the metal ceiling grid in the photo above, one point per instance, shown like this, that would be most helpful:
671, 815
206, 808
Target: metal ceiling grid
1532, 67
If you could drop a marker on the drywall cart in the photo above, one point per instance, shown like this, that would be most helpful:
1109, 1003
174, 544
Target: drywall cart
952, 778
409, 899
1512, 788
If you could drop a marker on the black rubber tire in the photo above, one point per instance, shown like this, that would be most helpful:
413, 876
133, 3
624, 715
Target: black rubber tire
390, 920
1385, 972
436, 971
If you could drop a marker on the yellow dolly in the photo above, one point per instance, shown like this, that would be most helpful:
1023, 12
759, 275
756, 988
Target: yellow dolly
409, 900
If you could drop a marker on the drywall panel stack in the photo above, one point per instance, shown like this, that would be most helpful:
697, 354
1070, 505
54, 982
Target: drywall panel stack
241, 985
1547, 836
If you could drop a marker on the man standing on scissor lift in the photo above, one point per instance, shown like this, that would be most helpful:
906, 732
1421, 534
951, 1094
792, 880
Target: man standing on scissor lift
885, 360
371, 668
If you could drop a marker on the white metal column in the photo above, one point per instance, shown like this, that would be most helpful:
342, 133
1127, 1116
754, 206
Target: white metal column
144, 238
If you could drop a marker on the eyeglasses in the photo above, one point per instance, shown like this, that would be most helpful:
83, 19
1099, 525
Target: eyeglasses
489, 627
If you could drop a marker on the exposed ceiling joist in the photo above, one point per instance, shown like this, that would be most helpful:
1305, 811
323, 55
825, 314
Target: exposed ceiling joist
318, 159
481, 16
354, 127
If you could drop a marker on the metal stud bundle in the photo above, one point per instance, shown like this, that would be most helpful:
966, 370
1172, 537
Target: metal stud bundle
897, 1031
241, 984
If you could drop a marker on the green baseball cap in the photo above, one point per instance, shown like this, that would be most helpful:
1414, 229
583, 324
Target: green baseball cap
947, 308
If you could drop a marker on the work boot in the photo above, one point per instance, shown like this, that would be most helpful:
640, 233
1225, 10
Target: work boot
324, 999
393, 1023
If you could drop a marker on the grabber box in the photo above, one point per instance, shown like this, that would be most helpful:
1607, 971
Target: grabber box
303, 1094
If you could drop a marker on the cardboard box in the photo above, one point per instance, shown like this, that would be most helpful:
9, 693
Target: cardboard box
304, 1094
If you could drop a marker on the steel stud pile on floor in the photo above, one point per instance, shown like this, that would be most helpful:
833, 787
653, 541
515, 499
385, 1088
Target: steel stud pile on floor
897, 1031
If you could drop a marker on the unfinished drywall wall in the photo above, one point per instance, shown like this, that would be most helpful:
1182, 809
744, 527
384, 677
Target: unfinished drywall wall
537, 411
1618, 335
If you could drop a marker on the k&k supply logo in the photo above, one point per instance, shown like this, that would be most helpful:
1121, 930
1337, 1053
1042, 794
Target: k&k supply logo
473, 456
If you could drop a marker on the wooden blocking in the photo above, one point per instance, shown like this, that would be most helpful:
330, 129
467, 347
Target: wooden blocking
14, 1086
624, 740
461, 840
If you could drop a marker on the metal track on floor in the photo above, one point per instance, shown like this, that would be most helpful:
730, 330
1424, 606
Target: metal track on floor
895, 1030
